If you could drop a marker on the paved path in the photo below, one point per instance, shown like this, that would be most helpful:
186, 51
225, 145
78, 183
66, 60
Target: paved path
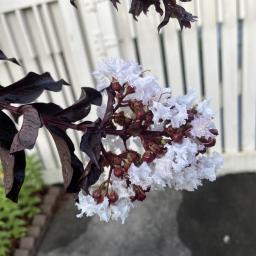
217, 220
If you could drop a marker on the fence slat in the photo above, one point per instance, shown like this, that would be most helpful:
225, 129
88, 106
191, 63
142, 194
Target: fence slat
248, 87
191, 54
230, 75
149, 45
125, 30
210, 58
173, 58
70, 37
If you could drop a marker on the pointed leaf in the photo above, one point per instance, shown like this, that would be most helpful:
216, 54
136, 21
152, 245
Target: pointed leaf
30, 88
73, 2
90, 177
91, 145
26, 137
4, 57
82, 107
72, 167
13, 165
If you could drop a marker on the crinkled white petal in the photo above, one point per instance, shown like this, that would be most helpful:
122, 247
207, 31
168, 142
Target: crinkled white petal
141, 175
201, 126
123, 71
204, 109
187, 99
121, 209
146, 89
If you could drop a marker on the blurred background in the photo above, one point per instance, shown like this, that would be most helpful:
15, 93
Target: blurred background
216, 57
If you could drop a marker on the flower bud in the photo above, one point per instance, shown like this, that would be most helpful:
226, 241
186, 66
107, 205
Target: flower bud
140, 114
116, 86
177, 137
118, 172
130, 89
97, 195
141, 195
214, 132
149, 157
112, 197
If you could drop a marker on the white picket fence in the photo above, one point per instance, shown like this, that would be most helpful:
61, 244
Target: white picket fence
217, 57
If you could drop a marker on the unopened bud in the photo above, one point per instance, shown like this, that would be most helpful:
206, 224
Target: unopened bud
112, 197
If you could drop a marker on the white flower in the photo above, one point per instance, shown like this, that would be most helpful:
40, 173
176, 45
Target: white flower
140, 176
121, 209
201, 126
123, 71
187, 99
89, 207
204, 109
146, 89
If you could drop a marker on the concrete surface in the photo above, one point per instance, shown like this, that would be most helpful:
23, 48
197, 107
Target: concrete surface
217, 220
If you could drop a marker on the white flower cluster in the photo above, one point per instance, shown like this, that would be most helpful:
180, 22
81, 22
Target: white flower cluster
119, 210
181, 167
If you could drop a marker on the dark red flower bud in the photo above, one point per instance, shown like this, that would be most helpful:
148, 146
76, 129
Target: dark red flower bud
130, 89
118, 172
149, 157
96, 194
214, 132
140, 114
116, 86
117, 160
177, 137
140, 195
112, 197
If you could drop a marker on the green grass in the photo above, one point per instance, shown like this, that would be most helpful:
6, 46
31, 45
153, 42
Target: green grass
14, 217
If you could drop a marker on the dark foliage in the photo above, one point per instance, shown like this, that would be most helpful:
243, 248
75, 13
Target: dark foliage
171, 10
56, 120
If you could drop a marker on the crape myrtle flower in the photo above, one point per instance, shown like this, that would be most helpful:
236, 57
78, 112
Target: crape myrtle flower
153, 140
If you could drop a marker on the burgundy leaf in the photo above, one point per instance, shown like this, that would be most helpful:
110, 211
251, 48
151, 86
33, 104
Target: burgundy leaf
91, 145
109, 110
72, 167
30, 88
82, 107
114, 2
4, 57
26, 137
73, 2
14, 165
172, 10
139, 6
90, 177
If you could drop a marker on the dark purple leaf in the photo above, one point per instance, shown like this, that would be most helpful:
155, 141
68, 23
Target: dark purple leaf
91, 145
14, 165
139, 6
115, 2
30, 88
82, 107
26, 137
172, 10
90, 176
109, 110
4, 57
73, 2
72, 167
